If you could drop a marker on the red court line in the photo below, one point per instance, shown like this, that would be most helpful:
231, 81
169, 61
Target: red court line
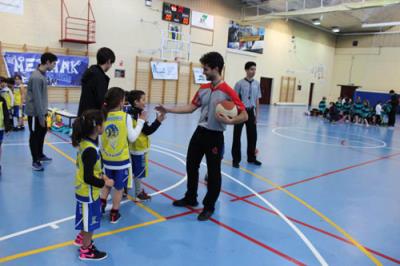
247, 237
319, 176
290, 218
236, 197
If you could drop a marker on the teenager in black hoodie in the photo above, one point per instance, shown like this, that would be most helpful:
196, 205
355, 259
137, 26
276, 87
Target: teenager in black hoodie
95, 81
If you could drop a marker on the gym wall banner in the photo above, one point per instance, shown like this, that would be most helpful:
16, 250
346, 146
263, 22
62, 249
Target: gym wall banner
164, 70
67, 73
246, 37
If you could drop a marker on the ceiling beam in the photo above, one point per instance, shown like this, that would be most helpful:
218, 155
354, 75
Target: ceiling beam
322, 10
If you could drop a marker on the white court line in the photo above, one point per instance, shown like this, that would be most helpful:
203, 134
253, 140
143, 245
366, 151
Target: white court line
274, 131
27, 143
311, 247
54, 224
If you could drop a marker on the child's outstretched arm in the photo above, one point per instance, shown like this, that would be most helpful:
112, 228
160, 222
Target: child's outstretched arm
150, 129
133, 133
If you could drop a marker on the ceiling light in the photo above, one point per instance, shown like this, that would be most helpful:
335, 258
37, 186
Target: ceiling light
335, 29
383, 24
316, 21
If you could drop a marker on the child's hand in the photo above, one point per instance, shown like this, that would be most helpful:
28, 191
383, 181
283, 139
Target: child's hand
161, 109
160, 117
143, 116
108, 181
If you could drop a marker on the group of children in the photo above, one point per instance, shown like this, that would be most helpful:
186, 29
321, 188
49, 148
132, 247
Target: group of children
113, 146
12, 99
358, 112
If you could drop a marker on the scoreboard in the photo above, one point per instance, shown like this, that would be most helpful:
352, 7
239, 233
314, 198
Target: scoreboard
176, 14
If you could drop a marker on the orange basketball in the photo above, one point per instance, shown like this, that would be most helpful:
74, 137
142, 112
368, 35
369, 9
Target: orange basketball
227, 108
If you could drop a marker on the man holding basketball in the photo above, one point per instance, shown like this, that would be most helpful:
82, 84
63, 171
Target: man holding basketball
208, 139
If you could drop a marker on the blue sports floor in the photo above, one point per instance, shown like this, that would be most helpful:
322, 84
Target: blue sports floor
325, 194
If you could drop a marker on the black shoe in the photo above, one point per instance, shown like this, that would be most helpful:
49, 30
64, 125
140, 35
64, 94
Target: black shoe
255, 162
44, 158
206, 178
205, 215
37, 166
235, 165
183, 203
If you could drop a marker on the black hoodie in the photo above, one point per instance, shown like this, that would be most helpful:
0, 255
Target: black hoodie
94, 87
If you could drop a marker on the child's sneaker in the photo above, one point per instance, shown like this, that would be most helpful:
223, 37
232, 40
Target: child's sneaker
114, 216
78, 240
91, 253
125, 193
143, 196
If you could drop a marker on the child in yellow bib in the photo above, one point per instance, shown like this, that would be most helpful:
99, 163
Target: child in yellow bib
19, 96
5, 124
118, 131
6, 93
89, 180
140, 148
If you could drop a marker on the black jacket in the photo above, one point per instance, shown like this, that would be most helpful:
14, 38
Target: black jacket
6, 115
94, 87
147, 129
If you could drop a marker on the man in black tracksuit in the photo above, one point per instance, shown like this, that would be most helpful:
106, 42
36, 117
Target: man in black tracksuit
95, 81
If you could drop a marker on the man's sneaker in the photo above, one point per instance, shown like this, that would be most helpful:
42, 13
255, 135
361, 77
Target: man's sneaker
44, 158
255, 162
78, 240
37, 166
183, 203
143, 196
205, 215
91, 253
114, 217
235, 165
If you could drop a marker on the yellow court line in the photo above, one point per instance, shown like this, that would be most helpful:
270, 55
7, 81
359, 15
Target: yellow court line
308, 206
152, 212
69, 243
61, 152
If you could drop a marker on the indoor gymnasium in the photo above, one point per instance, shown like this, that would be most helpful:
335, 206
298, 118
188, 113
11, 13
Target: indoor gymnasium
199, 132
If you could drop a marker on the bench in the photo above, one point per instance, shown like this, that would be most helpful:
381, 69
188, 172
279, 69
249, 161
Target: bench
65, 114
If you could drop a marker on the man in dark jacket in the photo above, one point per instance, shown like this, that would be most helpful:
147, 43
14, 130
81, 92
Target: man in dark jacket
394, 101
95, 81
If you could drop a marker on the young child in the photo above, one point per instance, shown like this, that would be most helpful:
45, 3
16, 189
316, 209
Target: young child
377, 118
357, 110
19, 96
347, 106
115, 149
339, 105
322, 107
333, 113
386, 108
89, 180
140, 148
5, 124
7, 94
365, 113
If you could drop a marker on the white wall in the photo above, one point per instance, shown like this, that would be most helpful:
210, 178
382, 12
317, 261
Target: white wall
119, 27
